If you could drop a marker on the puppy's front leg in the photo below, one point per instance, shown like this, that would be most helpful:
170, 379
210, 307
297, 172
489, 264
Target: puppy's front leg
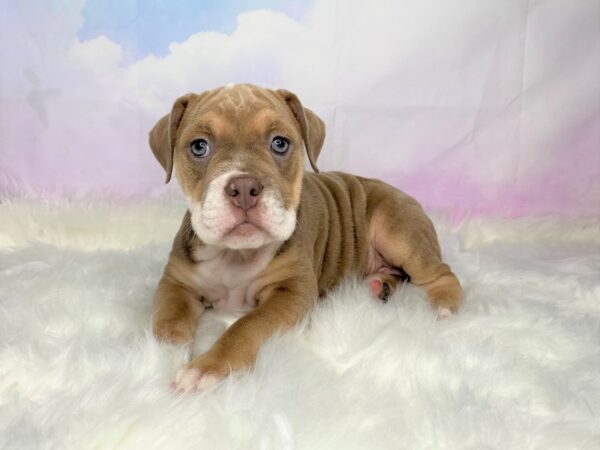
280, 307
176, 312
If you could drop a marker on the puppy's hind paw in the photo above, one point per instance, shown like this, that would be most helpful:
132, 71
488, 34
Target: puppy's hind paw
379, 288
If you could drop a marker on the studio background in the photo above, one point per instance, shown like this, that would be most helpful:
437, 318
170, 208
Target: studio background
474, 107
486, 111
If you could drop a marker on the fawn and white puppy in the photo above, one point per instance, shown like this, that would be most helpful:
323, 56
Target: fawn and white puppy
264, 237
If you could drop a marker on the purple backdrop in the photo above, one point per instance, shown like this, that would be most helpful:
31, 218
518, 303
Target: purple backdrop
479, 107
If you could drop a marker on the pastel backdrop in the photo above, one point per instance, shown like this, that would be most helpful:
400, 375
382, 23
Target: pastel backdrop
473, 106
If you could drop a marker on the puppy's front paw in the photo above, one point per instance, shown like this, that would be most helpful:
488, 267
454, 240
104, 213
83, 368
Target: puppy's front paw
200, 374
444, 313
192, 379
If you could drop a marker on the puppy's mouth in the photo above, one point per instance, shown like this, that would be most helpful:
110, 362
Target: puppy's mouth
245, 228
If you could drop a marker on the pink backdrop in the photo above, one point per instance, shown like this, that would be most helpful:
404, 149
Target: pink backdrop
478, 107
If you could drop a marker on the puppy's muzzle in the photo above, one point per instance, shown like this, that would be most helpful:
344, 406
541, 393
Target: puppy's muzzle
243, 192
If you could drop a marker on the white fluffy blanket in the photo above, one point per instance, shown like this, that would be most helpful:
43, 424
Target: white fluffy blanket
518, 368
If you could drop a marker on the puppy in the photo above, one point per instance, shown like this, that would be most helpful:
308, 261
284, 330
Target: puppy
263, 237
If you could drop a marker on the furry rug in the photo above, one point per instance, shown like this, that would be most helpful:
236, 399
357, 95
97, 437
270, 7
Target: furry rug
518, 368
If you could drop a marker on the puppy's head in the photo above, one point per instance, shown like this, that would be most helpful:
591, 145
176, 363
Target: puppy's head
238, 152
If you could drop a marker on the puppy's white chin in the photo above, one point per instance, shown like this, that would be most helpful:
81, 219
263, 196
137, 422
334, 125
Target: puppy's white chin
255, 240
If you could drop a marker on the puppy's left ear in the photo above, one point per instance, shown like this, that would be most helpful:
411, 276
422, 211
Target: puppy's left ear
311, 126
163, 135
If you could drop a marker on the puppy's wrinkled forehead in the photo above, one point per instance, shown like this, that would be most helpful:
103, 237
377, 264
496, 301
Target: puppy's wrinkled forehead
241, 111
235, 98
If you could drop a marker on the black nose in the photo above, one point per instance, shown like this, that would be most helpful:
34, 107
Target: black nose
243, 191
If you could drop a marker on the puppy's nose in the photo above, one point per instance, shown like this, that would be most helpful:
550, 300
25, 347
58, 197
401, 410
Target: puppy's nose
243, 191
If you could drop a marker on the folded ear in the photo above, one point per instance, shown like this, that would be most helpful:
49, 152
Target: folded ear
162, 136
311, 126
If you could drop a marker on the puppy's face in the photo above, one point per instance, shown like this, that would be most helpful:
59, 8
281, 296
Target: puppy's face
238, 153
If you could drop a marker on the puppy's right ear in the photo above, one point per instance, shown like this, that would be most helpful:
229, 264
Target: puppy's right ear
162, 136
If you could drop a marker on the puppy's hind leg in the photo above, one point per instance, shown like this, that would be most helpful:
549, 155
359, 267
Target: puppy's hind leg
406, 239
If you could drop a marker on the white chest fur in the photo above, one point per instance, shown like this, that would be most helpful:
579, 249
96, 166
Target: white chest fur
226, 278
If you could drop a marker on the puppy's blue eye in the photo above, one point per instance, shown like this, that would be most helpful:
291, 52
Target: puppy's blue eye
280, 145
200, 148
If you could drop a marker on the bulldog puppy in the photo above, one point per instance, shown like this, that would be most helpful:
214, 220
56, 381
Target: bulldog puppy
263, 237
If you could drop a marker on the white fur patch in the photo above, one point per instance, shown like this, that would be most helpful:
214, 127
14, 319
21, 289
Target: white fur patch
282, 222
213, 217
209, 219
226, 281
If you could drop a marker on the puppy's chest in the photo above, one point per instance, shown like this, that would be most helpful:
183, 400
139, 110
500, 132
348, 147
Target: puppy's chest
228, 280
